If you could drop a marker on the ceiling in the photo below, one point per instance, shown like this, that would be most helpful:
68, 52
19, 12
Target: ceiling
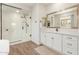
26, 6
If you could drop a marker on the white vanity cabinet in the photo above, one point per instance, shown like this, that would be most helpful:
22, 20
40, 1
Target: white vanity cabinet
70, 45
63, 43
53, 41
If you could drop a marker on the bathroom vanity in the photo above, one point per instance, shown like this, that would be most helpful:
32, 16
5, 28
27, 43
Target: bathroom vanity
63, 42
63, 33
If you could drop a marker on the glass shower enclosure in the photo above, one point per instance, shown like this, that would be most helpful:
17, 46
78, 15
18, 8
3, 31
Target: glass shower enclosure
12, 27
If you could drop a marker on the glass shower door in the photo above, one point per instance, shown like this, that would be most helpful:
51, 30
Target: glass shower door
11, 24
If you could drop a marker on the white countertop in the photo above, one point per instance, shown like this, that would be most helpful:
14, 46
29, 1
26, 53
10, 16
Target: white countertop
74, 32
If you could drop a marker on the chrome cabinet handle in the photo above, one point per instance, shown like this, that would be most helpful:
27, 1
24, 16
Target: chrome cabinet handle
69, 37
69, 44
69, 52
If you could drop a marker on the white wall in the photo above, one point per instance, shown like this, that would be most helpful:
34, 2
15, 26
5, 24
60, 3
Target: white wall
37, 12
35, 24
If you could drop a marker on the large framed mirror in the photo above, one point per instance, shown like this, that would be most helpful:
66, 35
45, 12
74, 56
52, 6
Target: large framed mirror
67, 19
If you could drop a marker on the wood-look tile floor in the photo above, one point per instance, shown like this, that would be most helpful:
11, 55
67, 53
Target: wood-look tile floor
28, 48
25, 48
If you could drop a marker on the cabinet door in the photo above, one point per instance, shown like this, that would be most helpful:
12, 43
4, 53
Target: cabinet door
49, 40
57, 42
43, 40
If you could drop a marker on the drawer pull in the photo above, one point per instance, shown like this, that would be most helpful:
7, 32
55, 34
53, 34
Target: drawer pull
69, 52
69, 44
69, 37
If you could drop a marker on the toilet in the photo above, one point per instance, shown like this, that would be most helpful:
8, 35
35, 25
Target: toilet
4, 47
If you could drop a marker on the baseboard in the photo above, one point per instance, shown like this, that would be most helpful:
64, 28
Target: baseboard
19, 41
36, 42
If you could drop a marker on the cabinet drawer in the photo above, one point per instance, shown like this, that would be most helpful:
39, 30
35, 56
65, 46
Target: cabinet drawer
70, 44
69, 51
70, 38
